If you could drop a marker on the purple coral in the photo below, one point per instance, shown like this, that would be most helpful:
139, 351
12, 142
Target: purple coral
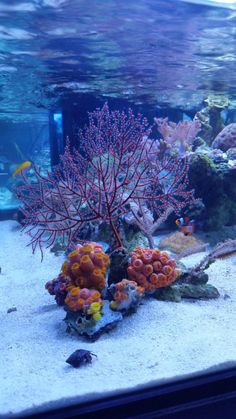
226, 138
182, 133
57, 287
115, 165
91, 184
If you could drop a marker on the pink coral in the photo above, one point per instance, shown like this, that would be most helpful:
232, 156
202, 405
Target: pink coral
152, 268
182, 133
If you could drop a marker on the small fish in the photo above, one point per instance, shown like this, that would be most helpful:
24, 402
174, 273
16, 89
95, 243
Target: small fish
22, 168
185, 226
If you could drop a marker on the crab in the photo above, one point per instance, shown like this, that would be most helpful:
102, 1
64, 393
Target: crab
80, 357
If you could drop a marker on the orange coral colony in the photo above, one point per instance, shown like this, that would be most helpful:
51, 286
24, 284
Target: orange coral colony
88, 301
152, 269
86, 266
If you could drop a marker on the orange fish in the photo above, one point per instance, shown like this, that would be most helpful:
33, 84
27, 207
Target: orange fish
22, 168
185, 226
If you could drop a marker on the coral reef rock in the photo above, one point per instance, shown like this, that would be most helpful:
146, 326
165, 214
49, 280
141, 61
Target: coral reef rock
202, 292
119, 260
90, 328
125, 296
168, 294
226, 138
212, 178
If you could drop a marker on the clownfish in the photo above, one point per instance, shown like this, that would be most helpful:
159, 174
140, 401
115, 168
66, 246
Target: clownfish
185, 226
22, 168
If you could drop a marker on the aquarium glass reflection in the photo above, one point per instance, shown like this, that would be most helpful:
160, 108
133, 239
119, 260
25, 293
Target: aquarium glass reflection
117, 196
21, 143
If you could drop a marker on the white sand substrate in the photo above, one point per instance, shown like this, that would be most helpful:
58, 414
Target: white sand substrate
162, 341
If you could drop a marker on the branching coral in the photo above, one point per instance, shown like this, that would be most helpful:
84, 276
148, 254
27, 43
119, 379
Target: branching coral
179, 136
152, 269
115, 164
172, 195
92, 183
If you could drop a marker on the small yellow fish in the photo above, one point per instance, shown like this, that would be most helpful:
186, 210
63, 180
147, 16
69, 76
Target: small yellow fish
22, 168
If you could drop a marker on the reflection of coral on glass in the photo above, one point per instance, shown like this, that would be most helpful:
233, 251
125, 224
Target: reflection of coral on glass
115, 167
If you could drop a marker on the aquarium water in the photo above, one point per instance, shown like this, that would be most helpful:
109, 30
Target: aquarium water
117, 197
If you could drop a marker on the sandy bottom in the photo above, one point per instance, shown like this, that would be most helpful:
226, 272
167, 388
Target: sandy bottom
162, 341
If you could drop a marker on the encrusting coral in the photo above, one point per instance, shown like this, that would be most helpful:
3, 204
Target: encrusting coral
126, 296
152, 268
57, 287
182, 245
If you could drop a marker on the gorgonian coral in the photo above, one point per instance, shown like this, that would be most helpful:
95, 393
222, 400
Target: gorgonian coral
178, 136
115, 164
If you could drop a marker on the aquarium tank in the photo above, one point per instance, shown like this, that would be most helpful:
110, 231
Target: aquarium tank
117, 199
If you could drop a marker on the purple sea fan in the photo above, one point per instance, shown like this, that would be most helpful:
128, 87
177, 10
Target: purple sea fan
180, 135
93, 183
115, 164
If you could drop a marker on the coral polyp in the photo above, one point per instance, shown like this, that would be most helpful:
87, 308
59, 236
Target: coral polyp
80, 286
152, 269
87, 301
86, 266
126, 296
58, 287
